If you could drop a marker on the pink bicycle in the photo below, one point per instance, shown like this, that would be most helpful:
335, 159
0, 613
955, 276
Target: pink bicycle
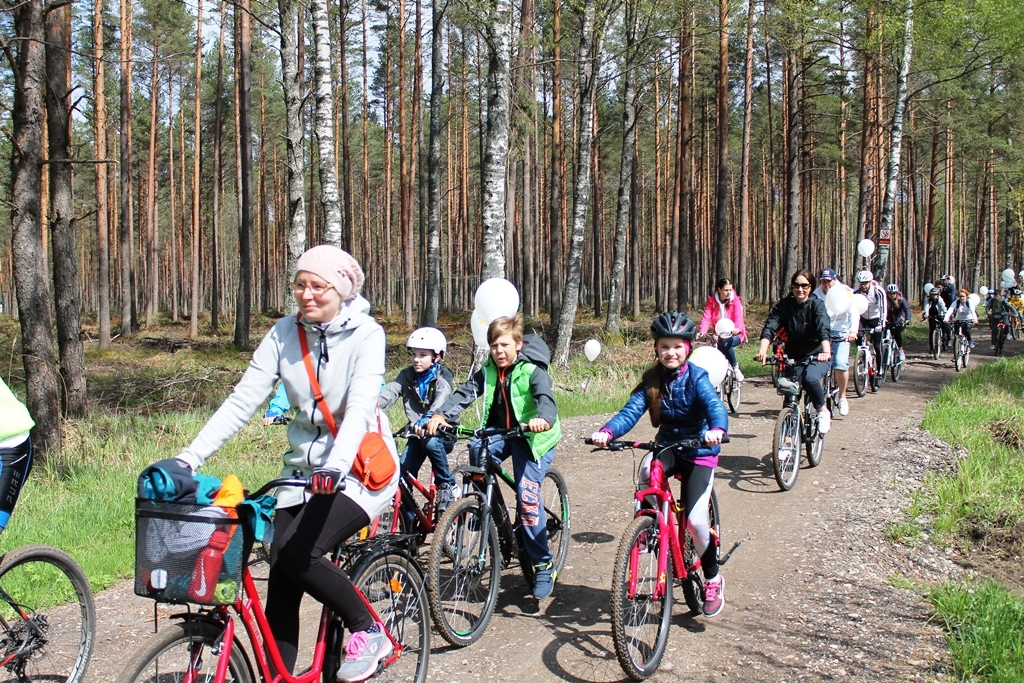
654, 547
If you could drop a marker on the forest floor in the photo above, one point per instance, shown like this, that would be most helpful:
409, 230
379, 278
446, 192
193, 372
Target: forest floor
816, 592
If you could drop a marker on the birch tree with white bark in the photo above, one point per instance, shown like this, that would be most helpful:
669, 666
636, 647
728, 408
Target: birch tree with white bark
498, 34
324, 123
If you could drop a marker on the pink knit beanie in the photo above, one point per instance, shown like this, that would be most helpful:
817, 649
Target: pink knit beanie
335, 266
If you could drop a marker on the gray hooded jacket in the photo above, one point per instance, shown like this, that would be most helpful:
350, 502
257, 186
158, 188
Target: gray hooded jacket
348, 357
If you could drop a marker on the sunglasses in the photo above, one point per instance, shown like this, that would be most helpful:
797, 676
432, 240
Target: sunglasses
801, 285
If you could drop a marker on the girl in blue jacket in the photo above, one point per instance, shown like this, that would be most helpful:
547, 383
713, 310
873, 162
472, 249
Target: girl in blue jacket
683, 405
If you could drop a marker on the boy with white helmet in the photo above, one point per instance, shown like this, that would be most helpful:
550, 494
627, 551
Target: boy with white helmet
874, 318
424, 387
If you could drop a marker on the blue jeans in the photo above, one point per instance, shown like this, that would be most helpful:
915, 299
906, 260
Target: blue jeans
726, 346
529, 475
435, 448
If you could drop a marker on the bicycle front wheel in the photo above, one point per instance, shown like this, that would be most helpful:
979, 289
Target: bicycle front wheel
735, 394
394, 587
936, 343
897, 369
465, 573
860, 373
640, 617
184, 652
48, 615
786, 448
883, 366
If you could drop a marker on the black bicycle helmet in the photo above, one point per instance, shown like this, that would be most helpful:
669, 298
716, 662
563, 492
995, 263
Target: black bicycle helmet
673, 324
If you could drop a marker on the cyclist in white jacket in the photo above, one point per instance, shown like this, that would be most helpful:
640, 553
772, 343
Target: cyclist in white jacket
878, 310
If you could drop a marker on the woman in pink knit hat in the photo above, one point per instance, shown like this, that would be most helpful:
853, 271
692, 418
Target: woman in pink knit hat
346, 346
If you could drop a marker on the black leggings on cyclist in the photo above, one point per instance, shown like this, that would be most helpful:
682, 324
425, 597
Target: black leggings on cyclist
966, 326
871, 324
698, 481
897, 335
810, 376
303, 535
943, 327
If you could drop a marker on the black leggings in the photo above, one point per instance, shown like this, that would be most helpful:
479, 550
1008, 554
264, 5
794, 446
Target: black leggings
897, 335
15, 464
303, 535
810, 377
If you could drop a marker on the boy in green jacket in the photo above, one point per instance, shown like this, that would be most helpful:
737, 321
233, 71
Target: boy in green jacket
517, 391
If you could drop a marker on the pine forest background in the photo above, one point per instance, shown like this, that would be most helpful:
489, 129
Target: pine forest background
616, 155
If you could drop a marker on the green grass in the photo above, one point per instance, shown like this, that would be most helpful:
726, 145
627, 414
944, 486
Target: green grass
984, 630
980, 502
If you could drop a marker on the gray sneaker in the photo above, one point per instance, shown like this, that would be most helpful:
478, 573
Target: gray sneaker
447, 496
787, 385
364, 652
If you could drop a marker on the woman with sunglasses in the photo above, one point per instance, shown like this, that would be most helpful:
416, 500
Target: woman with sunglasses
808, 343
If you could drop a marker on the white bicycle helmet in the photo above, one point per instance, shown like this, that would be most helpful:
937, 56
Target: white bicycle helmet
865, 276
892, 288
428, 338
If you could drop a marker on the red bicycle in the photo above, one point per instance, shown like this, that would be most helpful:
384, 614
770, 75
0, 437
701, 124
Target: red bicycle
652, 548
203, 645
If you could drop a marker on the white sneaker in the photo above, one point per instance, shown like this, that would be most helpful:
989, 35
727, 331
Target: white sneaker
736, 373
824, 422
844, 407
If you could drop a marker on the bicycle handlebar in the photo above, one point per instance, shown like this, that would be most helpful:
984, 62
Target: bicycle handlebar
687, 444
295, 480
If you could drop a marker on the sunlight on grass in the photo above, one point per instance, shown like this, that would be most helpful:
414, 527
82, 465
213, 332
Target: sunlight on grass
984, 626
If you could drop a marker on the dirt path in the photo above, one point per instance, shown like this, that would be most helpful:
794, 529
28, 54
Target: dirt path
811, 595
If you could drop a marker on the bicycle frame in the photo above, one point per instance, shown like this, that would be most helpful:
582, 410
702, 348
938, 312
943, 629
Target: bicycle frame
669, 526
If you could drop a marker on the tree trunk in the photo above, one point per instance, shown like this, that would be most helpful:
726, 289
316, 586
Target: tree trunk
295, 160
722, 268
556, 177
125, 228
324, 121
428, 315
348, 240
495, 160
792, 168
152, 281
218, 175
243, 304
62, 218
30, 278
626, 160
581, 199
896, 146
743, 276
99, 128
193, 326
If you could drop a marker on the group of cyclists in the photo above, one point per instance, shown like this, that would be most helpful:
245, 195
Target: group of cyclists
949, 309
330, 362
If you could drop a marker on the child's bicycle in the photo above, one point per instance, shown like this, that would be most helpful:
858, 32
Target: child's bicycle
653, 555
794, 426
47, 616
202, 644
478, 539
406, 515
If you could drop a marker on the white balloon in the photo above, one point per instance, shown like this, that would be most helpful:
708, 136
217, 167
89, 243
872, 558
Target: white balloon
1007, 283
1008, 274
859, 304
479, 327
974, 299
712, 361
865, 248
592, 349
725, 327
495, 298
928, 288
838, 299
983, 290
1021, 273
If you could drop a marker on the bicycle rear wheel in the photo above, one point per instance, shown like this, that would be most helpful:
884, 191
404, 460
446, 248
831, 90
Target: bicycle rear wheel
394, 586
184, 651
465, 572
786, 448
640, 620
860, 373
693, 584
50, 619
